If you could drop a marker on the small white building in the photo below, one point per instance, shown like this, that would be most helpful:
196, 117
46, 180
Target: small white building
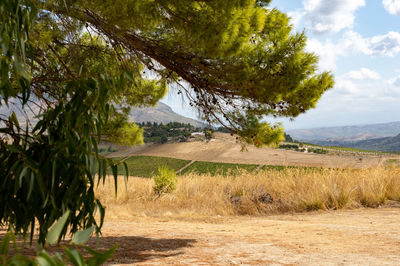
197, 134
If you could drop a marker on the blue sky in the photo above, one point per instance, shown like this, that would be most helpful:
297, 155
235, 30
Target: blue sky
359, 42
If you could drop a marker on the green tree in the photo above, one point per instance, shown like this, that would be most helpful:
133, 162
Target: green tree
70, 70
164, 139
288, 138
208, 134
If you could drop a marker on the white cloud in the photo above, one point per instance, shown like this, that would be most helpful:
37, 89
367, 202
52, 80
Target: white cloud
388, 44
392, 6
326, 52
383, 45
366, 90
395, 81
362, 74
296, 17
352, 43
346, 86
324, 16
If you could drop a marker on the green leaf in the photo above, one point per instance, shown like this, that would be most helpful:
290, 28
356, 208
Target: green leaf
126, 169
75, 257
5, 244
44, 259
83, 236
114, 169
31, 184
54, 233
22, 175
53, 174
21, 70
102, 212
20, 260
13, 118
100, 257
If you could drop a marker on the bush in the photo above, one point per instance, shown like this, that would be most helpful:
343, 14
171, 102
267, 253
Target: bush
165, 181
318, 151
164, 139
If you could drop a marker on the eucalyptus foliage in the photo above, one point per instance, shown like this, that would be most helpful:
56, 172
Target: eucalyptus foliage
70, 70
72, 254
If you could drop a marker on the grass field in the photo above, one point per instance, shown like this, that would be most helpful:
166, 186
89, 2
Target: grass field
265, 192
347, 149
392, 162
281, 167
147, 166
213, 168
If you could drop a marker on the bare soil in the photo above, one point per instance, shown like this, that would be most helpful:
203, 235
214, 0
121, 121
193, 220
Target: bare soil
349, 237
224, 148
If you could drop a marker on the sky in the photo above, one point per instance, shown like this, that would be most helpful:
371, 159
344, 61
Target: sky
359, 42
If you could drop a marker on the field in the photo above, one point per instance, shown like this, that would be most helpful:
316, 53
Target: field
277, 216
224, 149
147, 166
392, 162
252, 208
274, 207
224, 155
214, 168
266, 192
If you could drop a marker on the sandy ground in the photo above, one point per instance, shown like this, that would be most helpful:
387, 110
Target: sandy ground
225, 149
352, 237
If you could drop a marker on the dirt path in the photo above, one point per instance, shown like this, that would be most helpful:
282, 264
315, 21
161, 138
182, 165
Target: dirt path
356, 237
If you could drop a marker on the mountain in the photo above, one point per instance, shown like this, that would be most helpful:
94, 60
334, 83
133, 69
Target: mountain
346, 133
161, 113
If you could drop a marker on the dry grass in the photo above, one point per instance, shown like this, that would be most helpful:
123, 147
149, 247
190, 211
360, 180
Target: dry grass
292, 190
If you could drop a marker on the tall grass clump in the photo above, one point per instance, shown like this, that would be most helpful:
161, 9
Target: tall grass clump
267, 192
165, 181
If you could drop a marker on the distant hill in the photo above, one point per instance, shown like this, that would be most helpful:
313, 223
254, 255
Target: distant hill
346, 133
387, 144
161, 113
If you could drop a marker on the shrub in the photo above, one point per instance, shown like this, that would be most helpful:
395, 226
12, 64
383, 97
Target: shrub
165, 181
164, 139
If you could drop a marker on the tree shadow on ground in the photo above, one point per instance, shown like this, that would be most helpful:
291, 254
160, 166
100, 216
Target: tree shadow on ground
131, 249
134, 249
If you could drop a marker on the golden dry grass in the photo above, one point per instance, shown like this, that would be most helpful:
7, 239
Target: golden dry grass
292, 190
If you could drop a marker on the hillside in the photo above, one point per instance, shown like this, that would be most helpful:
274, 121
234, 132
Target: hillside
161, 113
224, 149
346, 133
390, 144
387, 144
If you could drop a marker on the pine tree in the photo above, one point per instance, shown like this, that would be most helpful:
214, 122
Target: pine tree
77, 66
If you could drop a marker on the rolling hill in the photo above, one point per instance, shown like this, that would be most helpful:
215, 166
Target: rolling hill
386, 144
346, 133
161, 113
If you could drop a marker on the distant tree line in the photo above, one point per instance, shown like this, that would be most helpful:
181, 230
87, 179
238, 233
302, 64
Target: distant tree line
160, 133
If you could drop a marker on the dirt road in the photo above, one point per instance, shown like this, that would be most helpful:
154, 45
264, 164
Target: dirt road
353, 237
